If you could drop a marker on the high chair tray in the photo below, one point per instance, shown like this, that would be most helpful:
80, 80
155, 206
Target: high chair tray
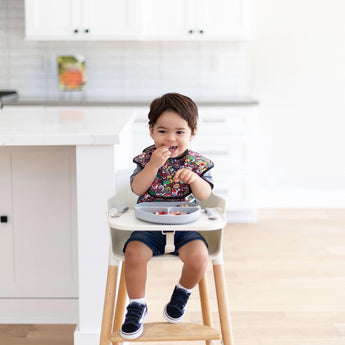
167, 212
128, 221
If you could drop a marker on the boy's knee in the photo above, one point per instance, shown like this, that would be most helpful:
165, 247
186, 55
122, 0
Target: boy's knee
137, 251
202, 259
198, 259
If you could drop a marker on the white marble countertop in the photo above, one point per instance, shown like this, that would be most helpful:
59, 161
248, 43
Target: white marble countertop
89, 102
63, 126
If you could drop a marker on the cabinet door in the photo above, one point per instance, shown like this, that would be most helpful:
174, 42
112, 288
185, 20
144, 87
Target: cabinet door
42, 260
167, 19
220, 19
6, 229
82, 19
50, 19
116, 19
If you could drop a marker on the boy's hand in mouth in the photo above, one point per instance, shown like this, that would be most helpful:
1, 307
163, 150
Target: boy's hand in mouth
160, 156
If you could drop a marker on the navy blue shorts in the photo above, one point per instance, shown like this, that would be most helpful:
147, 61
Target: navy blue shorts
155, 240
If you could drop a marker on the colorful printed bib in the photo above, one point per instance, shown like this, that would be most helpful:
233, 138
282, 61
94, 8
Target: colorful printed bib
163, 188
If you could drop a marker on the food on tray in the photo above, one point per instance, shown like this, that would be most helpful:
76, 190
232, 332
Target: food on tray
160, 212
165, 212
177, 213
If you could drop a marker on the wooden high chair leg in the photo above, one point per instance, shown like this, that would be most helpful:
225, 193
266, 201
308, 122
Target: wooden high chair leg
109, 302
223, 308
205, 304
120, 302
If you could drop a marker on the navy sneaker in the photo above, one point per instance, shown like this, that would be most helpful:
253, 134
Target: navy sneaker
173, 312
133, 328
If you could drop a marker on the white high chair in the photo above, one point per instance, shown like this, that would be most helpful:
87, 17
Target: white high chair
116, 290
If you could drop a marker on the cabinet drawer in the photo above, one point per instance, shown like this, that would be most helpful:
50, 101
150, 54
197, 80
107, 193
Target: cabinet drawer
226, 120
237, 189
234, 152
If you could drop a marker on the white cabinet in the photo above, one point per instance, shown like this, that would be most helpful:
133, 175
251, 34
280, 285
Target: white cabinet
196, 19
48, 19
227, 135
82, 19
38, 257
136, 19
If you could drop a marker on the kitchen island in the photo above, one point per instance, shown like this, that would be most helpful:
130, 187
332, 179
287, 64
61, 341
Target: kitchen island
95, 142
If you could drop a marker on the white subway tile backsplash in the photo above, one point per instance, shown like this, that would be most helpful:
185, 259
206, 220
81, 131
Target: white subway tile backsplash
120, 70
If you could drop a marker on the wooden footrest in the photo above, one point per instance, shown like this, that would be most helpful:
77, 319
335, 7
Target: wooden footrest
164, 331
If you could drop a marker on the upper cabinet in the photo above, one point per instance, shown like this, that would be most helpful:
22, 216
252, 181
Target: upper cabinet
196, 19
82, 19
136, 19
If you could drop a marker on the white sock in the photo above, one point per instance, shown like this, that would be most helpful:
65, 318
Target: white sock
138, 300
183, 288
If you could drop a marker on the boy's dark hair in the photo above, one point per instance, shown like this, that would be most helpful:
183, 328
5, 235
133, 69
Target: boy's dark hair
180, 104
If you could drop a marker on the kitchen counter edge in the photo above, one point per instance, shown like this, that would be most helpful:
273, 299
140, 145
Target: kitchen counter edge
249, 102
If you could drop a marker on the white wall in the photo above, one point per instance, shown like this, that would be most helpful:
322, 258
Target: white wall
120, 70
298, 74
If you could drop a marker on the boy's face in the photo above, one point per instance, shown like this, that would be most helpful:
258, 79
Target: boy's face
172, 131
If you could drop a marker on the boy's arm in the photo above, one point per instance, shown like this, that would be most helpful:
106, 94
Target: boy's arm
143, 180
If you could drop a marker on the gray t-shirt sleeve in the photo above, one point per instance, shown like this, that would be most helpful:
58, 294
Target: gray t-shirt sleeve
135, 172
208, 177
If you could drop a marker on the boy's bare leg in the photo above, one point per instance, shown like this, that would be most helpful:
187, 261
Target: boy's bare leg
194, 256
137, 256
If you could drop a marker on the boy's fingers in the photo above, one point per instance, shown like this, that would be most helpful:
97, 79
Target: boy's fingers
177, 175
183, 175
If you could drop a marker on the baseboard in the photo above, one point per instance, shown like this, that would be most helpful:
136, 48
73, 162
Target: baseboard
25, 310
301, 198
83, 338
